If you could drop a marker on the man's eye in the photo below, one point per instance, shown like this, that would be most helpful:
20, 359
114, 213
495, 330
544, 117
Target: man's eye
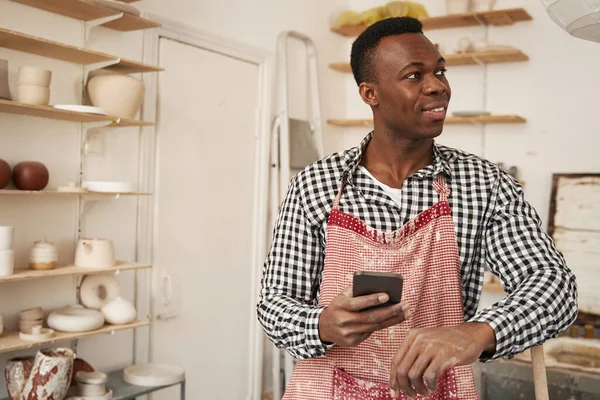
414, 75
441, 72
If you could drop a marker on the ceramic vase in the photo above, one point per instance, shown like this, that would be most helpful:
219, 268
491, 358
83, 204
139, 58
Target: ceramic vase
16, 373
50, 375
120, 95
43, 255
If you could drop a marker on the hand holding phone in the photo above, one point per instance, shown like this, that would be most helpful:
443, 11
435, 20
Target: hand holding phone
366, 282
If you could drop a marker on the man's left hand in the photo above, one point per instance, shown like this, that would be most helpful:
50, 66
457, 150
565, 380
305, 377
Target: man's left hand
426, 353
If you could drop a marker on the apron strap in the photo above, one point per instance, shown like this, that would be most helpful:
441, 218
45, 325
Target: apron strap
336, 203
441, 187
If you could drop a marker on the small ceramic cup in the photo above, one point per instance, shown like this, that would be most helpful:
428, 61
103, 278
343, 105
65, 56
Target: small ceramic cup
35, 95
34, 76
7, 262
6, 237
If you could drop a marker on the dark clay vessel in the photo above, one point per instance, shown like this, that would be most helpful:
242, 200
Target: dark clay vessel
4, 174
30, 175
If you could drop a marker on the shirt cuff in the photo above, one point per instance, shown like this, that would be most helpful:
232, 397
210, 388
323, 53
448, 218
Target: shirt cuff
501, 322
314, 345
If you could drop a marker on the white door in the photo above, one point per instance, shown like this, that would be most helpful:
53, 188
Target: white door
206, 149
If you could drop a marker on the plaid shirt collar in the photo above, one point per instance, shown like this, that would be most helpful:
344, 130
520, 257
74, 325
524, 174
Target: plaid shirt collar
353, 158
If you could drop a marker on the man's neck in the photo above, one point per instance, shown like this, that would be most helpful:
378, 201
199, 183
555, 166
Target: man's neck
392, 159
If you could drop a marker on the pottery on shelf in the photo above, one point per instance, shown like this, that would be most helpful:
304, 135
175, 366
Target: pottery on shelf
95, 253
34, 95
458, 6
80, 365
50, 375
97, 290
482, 5
30, 175
34, 76
91, 383
4, 88
1, 325
16, 372
31, 314
4, 174
75, 318
120, 95
7, 262
119, 311
43, 255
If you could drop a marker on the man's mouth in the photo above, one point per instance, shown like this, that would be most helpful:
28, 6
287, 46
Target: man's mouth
438, 113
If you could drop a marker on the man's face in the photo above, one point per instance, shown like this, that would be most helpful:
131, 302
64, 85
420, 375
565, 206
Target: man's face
411, 92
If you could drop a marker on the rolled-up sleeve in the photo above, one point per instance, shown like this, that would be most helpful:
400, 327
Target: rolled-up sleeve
542, 292
287, 307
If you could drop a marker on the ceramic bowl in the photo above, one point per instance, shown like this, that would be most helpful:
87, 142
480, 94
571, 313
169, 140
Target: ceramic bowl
34, 76
32, 314
34, 95
91, 383
120, 95
108, 186
75, 319
119, 311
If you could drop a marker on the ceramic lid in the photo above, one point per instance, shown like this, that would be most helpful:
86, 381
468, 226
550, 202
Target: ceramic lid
91, 377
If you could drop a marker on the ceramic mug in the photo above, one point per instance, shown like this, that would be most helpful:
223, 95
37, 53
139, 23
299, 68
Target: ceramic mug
7, 262
7, 234
95, 253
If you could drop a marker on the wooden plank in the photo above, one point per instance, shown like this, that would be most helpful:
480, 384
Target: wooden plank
13, 107
126, 66
493, 287
25, 274
125, 123
473, 58
51, 49
494, 18
11, 192
490, 119
77, 9
10, 341
131, 22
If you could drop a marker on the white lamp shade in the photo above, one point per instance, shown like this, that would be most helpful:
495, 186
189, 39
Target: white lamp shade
581, 18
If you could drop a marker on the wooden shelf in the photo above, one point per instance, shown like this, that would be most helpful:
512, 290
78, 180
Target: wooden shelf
11, 192
86, 10
26, 274
13, 107
126, 66
493, 287
10, 341
473, 58
64, 52
493, 18
490, 119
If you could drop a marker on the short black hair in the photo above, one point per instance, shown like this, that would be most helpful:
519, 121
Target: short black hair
363, 48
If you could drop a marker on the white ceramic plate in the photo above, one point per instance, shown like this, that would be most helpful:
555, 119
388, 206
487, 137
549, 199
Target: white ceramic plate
153, 375
83, 109
108, 186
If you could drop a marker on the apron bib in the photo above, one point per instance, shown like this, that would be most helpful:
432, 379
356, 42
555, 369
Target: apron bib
425, 252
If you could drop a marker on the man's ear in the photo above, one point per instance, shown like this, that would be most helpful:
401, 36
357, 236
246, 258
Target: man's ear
368, 93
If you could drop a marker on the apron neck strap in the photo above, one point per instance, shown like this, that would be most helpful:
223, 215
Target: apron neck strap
441, 187
336, 203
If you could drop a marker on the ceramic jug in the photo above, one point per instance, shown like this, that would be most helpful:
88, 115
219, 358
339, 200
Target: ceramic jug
50, 375
95, 253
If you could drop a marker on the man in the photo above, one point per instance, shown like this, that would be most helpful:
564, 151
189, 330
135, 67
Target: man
402, 203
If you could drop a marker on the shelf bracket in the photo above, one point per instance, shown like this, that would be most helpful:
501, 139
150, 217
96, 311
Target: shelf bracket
92, 67
100, 21
478, 61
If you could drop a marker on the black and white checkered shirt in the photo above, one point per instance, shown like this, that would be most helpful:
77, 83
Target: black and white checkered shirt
495, 227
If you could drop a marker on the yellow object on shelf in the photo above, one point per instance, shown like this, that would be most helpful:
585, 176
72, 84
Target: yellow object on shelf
375, 14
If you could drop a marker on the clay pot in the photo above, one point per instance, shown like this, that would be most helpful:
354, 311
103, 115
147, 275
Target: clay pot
16, 373
50, 375
43, 255
80, 365
30, 175
119, 95
119, 311
4, 174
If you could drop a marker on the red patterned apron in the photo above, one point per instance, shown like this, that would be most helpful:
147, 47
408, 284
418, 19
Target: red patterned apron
425, 252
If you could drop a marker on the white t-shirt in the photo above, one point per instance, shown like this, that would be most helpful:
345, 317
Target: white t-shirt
395, 194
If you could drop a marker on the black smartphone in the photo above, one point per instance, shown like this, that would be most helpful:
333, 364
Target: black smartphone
367, 282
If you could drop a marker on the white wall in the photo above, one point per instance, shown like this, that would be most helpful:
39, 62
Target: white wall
555, 91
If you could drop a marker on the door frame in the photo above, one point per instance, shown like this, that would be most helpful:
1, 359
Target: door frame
149, 162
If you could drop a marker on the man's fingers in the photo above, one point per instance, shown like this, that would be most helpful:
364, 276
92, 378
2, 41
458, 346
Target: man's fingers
401, 368
436, 367
415, 373
362, 302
